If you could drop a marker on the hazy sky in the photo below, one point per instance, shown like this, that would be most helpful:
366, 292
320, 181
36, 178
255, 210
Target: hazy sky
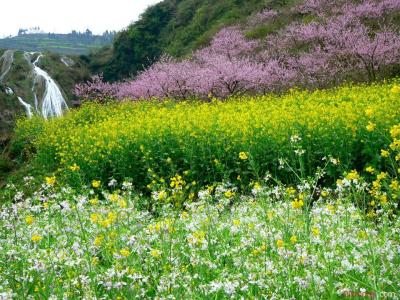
62, 16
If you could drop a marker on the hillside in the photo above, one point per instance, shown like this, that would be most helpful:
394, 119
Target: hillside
74, 43
176, 27
311, 44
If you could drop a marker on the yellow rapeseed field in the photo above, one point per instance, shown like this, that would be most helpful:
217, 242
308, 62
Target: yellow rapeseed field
239, 139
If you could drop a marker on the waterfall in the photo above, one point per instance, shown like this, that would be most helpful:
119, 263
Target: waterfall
27, 106
52, 102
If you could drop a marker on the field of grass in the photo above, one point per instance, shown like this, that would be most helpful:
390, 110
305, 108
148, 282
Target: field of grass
277, 197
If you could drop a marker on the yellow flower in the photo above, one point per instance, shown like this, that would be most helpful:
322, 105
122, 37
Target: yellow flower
257, 186
51, 180
94, 201
162, 195
293, 239
198, 237
177, 182
376, 184
94, 217
74, 167
243, 155
36, 238
371, 126
362, 234
105, 223
29, 220
112, 216
280, 243
395, 145
395, 89
96, 184
384, 153
383, 199
381, 176
290, 191
315, 231
370, 170
259, 250
236, 222
95, 261
122, 203
353, 175
397, 158
394, 185
330, 207
124, 252
155, 253
229, 194
297, 203
324, 194
369, 112
113, 197
395, 131
98, 240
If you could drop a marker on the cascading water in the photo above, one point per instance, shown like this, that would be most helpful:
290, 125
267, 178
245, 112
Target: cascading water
28, 107
53, 102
